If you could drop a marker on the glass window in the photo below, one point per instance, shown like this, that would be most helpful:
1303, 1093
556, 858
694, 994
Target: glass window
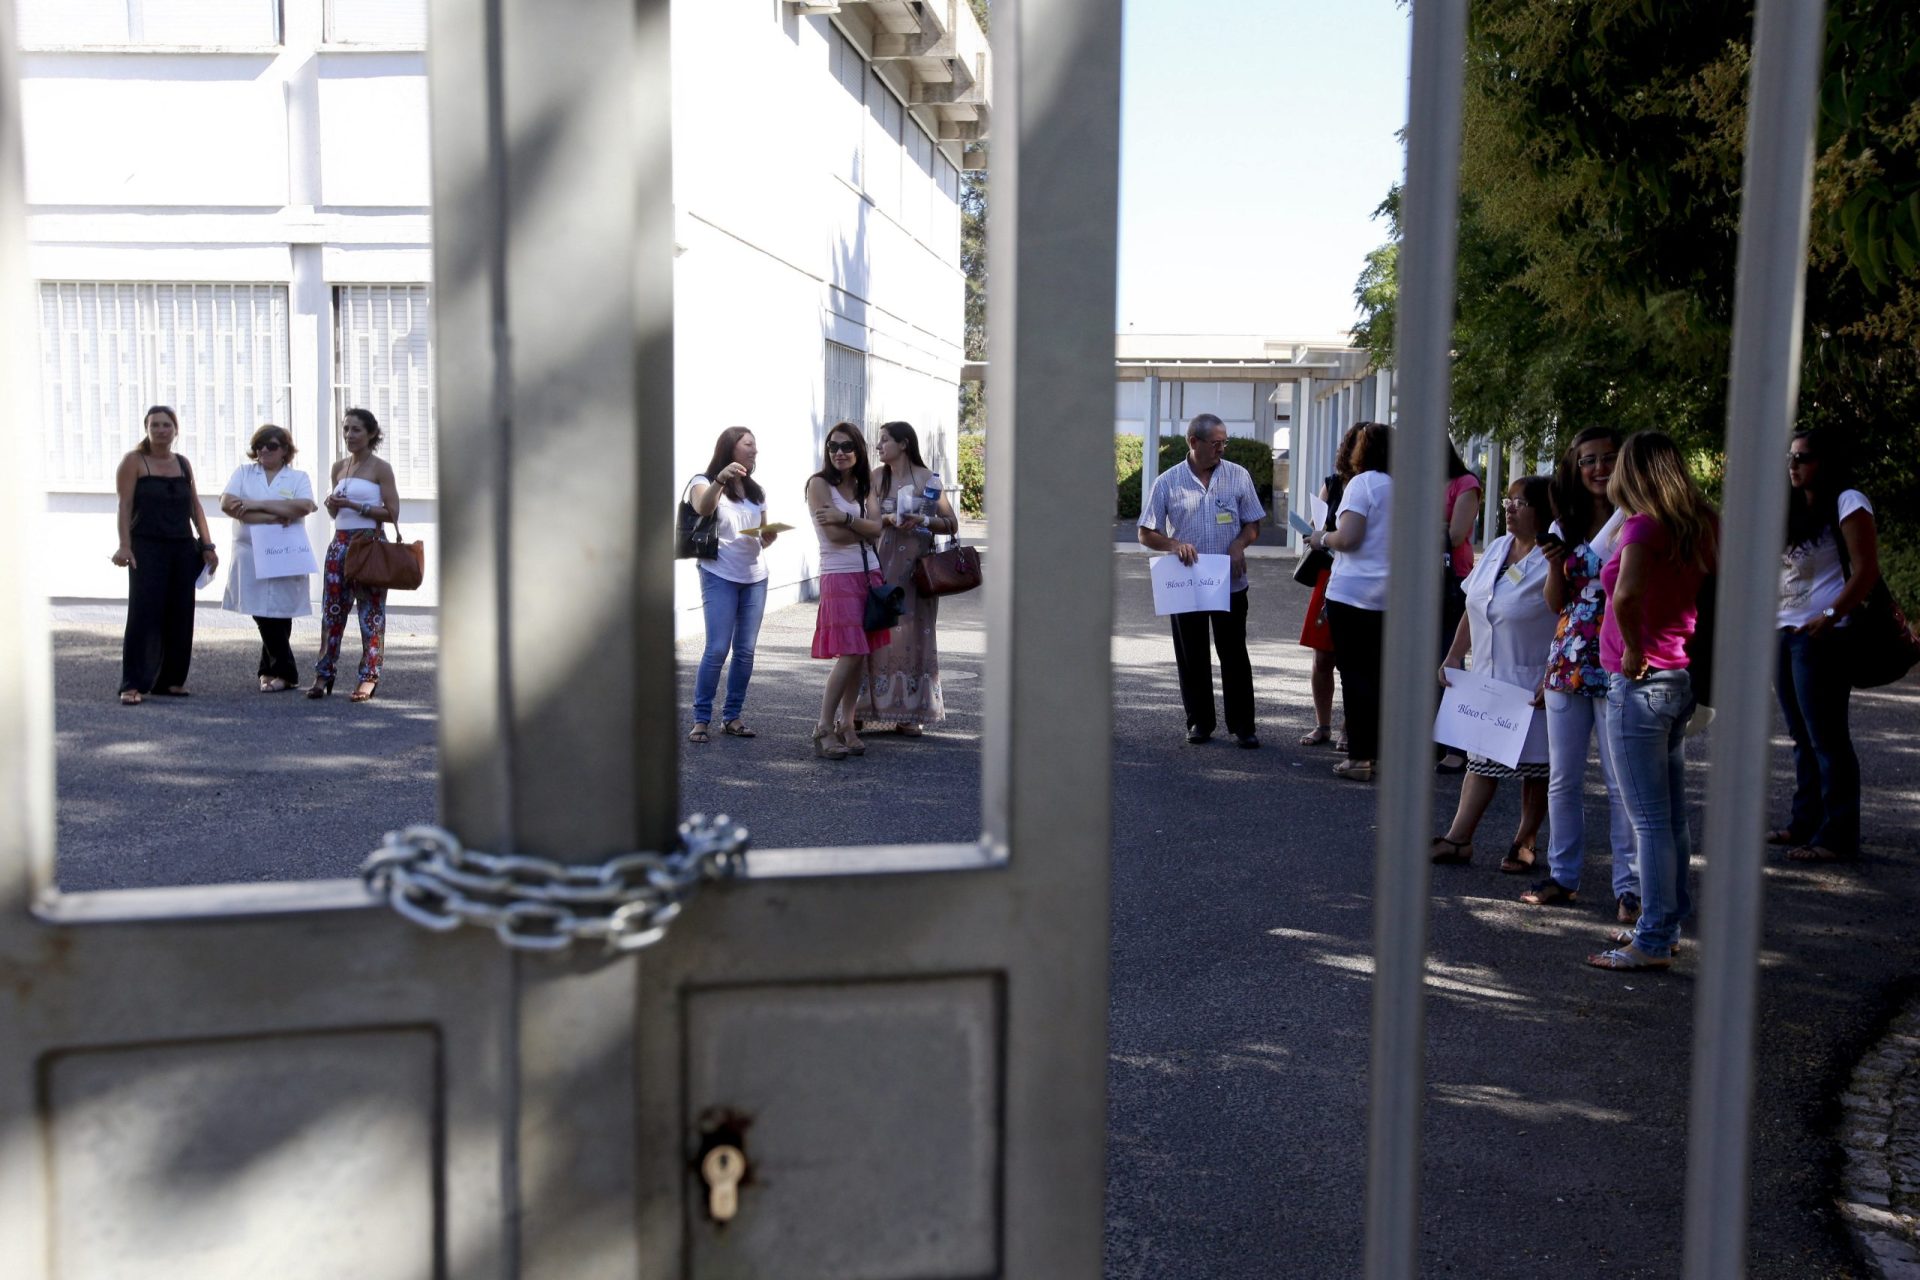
846, 386
162, 22
883, 146
379, 22
383, 361
849, 139
216, 352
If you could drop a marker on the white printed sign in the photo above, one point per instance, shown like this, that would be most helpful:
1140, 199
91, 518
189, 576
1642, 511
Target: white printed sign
1205, 586
281, 551
1485, 716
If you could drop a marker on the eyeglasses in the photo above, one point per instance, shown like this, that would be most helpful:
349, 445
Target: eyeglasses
842, 446
1801, 459
1513, 504
1588, 461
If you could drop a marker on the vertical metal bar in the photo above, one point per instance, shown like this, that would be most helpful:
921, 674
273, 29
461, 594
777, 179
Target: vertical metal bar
1150, 441
1305, 447
1408, 694
1763, 393
1496, 484
1047, 780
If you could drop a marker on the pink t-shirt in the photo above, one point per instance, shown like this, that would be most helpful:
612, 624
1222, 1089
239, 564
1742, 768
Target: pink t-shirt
1669, 608
1462, 555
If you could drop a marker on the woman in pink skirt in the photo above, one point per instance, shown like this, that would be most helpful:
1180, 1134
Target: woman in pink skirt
838, 494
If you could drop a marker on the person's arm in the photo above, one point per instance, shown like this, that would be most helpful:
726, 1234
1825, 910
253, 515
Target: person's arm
1148, 530
1627, 603
1237, 549
706, 498
265, 510
1456, 658
835, 525
1466, 509
1863, 553
334, 501
209, 553
1348, 534
1555, 554
123, 482
388, 508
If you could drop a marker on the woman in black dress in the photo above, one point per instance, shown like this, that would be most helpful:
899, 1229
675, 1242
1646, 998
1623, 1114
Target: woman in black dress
164, 547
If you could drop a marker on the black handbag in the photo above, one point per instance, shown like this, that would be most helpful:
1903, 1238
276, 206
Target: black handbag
696, 537
1316, 562
884, 603
1880, 645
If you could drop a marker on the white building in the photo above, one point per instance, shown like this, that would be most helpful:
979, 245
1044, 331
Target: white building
228, 214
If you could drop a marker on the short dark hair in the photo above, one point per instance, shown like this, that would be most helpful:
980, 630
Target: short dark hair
371, 423
268, 433
1202, 425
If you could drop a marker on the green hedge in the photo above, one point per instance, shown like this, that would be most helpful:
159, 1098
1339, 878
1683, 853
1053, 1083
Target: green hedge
973, 472
1128, 452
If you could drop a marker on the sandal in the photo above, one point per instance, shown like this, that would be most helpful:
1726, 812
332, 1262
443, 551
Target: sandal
1782, 835
737, 728
1341, 746
851, 741
274, 684
1551, 893
1512, 864
1321, 733
1629, 959
907, 729
699, 733
131, 698
1354, 770
1458, 853
826, 747
1816, 853
364, 691
1624, 938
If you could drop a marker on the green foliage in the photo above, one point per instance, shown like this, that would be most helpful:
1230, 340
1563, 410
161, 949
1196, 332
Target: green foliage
972, 463
1602, 163
1129, 452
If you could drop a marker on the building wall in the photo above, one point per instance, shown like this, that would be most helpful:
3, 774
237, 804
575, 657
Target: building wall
286, 163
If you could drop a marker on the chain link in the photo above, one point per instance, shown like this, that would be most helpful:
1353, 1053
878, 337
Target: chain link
537, 904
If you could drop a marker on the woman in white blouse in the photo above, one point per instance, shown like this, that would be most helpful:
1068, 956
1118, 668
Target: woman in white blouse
1508, 628
267, 490
733, 585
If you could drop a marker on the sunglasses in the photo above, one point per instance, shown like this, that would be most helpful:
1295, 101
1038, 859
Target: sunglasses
1801, 459
271, 444
842, 446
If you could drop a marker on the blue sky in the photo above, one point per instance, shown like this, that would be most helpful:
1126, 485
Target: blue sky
1257, 136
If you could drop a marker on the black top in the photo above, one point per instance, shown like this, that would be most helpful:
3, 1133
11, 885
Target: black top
1336, 489
163, 505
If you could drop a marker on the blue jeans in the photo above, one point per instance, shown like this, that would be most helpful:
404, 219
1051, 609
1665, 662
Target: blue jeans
733, 610
1572, 721
1814, 689
1646, 726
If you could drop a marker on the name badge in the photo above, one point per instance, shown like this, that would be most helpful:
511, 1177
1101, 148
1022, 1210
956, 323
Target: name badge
1223, 517
1515, 576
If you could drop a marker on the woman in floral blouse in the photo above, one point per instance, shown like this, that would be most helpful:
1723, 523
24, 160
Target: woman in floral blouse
1577, 545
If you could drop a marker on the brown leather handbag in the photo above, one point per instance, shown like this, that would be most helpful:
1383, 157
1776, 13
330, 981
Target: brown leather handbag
947, 573
392, 566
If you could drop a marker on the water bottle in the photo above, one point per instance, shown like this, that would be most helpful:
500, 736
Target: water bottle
931, 494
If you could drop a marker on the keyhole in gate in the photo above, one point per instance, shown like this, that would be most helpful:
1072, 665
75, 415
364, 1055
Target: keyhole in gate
722, 1162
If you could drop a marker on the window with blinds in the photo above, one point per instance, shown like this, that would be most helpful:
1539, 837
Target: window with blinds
846, 386
390, 23
217, 353
383, 361
215, 23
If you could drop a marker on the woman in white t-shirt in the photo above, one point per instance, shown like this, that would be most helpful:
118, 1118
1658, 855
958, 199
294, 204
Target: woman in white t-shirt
268, 490
1831, 562
733, 585
1357, 594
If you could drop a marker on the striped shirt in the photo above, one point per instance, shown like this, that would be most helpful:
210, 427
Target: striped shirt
1184, 509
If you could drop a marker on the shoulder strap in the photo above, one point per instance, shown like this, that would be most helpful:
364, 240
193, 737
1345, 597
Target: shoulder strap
186, 469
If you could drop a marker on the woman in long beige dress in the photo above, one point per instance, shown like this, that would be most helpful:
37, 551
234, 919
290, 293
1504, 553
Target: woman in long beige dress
902, 682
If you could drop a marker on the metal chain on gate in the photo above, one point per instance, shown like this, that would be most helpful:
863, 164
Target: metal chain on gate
537, 904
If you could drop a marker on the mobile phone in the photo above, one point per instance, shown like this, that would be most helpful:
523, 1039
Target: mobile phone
1551, 540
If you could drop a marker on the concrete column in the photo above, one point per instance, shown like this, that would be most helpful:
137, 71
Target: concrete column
1300, 452
1150, 450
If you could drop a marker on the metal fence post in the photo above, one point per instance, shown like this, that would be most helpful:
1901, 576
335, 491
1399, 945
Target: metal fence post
1409, 694
1763, 392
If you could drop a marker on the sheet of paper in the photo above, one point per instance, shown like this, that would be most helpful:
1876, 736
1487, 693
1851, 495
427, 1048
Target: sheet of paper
757, 530
1205, 586
1484, 716
206, 576
281, 550
1319, 508
1300, 526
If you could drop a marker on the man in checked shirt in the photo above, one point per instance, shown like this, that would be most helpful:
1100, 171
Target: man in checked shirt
1207, 506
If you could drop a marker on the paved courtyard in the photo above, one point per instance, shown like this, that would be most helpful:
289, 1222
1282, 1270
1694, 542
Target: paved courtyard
1555, 1135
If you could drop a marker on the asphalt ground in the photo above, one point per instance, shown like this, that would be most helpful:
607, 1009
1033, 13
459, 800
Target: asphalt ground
1555, 1134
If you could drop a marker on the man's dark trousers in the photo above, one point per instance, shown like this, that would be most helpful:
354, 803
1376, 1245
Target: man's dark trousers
1196, 668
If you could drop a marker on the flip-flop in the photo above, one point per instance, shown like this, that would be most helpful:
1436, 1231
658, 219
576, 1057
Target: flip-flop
1816, 853
1551, 893
698, 734
737, 728
1627, 960
1624, 938
130, 698
1513, 866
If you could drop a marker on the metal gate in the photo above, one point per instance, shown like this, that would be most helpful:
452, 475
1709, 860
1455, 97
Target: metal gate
904, 1046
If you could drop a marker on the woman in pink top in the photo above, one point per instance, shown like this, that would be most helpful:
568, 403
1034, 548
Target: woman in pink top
1664, 551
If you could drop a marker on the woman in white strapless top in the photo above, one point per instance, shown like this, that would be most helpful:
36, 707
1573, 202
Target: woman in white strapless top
363, 498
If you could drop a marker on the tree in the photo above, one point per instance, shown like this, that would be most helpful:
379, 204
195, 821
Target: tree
1601, 166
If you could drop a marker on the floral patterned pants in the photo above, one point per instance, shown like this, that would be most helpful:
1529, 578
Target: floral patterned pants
338, 594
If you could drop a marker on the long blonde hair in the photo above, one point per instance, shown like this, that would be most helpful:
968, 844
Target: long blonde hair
1650, 479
